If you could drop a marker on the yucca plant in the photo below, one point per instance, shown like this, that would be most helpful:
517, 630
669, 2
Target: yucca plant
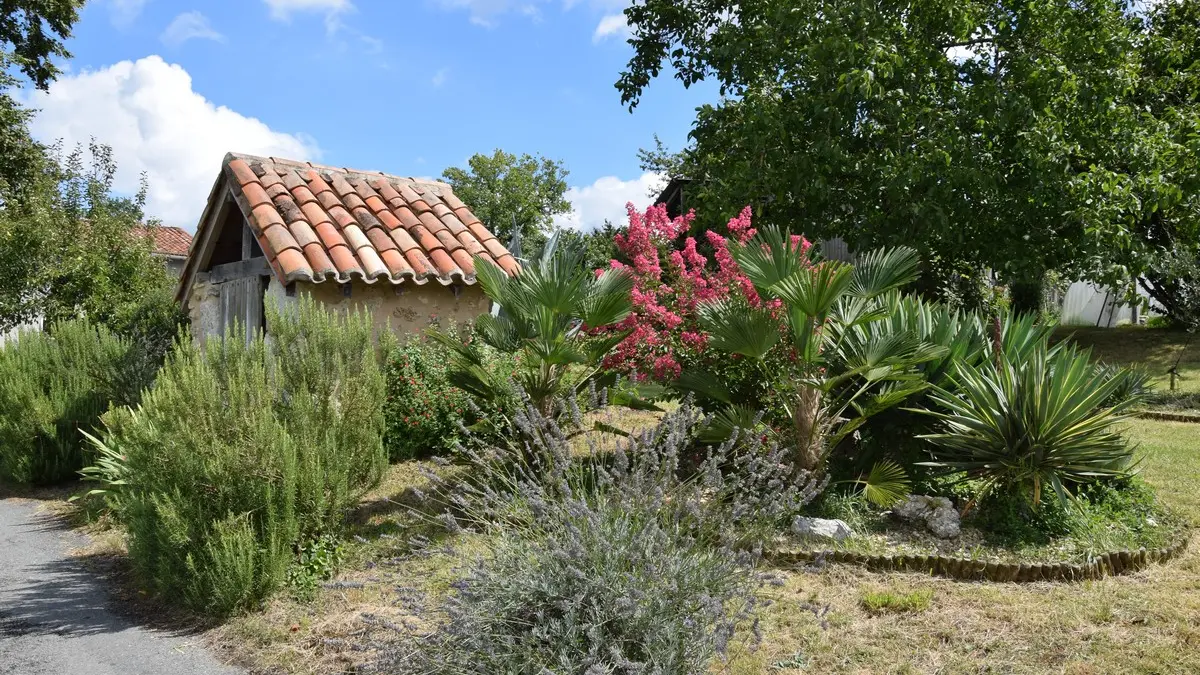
1032, 423
822, 393
545, 310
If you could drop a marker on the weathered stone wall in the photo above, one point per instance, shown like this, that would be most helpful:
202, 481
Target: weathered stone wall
204, 309
407, 308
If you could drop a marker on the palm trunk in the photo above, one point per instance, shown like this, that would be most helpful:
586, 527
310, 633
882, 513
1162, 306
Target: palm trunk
806, 418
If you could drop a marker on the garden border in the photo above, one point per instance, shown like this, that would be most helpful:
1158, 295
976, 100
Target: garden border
1168, 416
1113, 563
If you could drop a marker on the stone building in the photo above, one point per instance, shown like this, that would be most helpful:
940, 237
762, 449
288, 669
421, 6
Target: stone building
402, 249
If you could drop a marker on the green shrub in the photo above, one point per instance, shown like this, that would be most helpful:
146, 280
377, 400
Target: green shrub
1007, 517
53, 385
595, 588
1186, 401
1032, 424
423, 410
151, 327
1159, 321
1122, 513
243, 454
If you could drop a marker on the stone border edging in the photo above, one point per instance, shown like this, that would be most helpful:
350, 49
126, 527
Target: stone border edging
966, 569
1168, 416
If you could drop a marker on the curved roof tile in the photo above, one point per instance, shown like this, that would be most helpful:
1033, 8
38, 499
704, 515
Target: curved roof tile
323, 223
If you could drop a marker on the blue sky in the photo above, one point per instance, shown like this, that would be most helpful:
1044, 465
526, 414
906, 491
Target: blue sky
403, 86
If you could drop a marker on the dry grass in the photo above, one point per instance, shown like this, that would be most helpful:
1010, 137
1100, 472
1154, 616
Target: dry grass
1147, 622
818, 621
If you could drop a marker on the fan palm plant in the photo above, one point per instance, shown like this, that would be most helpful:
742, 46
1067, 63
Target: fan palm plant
1027, 423
821, 392
544, 311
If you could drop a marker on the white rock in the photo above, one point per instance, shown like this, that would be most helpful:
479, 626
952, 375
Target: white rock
943, 522
937, 514
821, 528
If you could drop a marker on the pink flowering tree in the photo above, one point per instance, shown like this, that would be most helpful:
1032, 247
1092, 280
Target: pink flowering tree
764, 304
672, 279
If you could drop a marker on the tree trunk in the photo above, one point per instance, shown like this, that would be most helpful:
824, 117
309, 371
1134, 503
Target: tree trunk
810, 431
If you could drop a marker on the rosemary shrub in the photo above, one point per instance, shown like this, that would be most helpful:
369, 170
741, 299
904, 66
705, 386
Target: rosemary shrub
243, 453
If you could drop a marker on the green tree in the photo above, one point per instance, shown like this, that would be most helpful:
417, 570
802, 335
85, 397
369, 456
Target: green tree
503, 189
1003, 134
72, 251
1169, 90
598, 246
31, 38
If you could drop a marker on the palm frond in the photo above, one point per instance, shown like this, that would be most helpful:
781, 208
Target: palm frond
704, 384
607, 299
883, 270
727, 421
768, 258
814, 291
492, 279
738, 328
886, 485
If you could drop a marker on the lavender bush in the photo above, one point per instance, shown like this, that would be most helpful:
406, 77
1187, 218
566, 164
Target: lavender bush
604, 556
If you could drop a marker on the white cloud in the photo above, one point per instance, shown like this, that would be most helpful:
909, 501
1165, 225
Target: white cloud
125, 12
605, 200
283, 9
157, 124
190, 26
439, 78
487, 12
612, 25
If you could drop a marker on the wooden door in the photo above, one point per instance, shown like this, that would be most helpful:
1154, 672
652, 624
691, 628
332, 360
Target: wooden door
242, 305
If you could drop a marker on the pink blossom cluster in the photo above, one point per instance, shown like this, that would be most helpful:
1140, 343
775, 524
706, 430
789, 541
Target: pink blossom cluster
671, 280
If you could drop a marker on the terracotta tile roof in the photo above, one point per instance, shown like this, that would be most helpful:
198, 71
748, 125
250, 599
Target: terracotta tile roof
317, 222
168, 241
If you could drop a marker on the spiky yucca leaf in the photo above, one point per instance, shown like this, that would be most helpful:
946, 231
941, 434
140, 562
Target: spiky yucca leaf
1031, 424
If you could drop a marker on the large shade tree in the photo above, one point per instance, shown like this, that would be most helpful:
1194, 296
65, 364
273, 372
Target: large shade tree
1007, 134
1169, 91
31, 39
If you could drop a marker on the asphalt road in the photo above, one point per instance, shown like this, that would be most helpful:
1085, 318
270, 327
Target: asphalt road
56, 617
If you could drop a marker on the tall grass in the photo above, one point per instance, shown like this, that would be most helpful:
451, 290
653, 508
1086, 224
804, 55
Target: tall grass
243, 452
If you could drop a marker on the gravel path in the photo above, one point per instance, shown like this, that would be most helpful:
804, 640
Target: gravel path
55, 617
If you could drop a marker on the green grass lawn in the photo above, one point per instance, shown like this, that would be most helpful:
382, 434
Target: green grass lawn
1153, 349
